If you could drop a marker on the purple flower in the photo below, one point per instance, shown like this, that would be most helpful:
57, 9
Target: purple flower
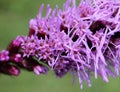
9, 69
83, 39
14, 46
17, 58
29, 45
4, 55
40, 69
33, 65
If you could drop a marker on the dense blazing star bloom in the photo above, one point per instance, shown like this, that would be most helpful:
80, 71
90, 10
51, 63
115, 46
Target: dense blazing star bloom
83, 39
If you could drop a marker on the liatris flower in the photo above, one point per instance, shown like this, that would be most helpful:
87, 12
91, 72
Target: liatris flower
83, 39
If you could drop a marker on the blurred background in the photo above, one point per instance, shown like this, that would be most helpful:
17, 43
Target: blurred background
14, 20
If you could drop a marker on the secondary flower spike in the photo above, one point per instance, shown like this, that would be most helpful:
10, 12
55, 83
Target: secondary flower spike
83, 39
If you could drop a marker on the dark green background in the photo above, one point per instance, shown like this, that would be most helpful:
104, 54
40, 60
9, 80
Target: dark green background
14, 20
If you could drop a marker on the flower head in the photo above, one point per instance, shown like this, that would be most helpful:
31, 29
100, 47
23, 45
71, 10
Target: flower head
83, 39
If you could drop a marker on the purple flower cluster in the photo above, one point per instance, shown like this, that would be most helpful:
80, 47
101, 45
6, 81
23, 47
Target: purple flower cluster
83, 39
